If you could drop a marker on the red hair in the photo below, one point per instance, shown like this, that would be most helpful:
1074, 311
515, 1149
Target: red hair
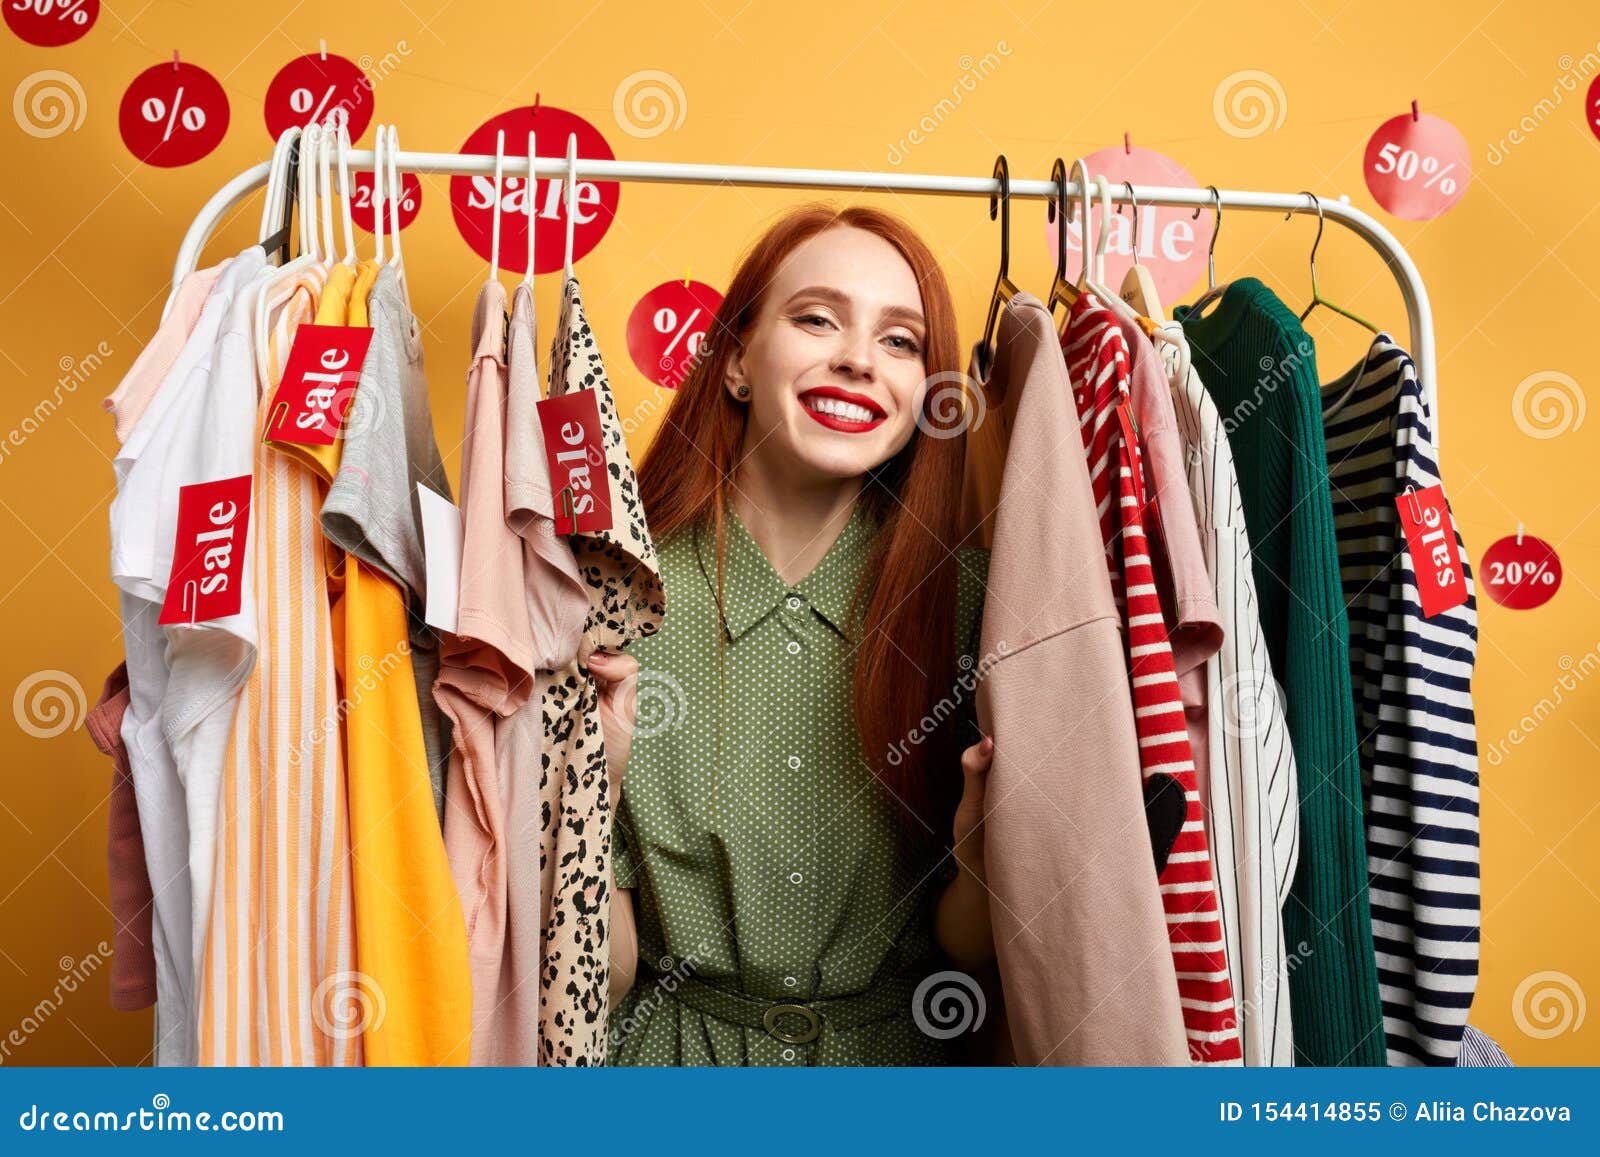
906, 656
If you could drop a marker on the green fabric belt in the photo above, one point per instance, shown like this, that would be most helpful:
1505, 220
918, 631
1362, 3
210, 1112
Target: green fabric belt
793, 1022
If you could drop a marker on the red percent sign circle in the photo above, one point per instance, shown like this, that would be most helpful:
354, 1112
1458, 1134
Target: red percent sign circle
1521, 572
173, 114
1417, 167
1593, 107
51, 23
361, 200
667, 328
472, 198
310, 87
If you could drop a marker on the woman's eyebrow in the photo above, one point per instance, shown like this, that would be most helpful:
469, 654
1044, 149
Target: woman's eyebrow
828, 293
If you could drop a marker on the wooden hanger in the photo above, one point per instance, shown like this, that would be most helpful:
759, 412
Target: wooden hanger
1004, 288
1062, 291
1138, 285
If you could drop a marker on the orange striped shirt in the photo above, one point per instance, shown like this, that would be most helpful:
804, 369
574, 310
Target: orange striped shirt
279, 984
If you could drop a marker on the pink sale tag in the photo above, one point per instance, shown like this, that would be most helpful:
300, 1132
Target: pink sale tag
595, 202
1172, 240
1417, 166
173, 114
311, 88
51, 23
667, 328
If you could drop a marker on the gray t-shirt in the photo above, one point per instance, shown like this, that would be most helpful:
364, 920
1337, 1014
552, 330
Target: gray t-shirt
372, 508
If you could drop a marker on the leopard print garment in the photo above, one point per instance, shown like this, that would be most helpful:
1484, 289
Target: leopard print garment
626, 602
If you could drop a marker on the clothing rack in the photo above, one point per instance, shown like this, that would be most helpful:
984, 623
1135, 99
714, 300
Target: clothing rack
1364, 226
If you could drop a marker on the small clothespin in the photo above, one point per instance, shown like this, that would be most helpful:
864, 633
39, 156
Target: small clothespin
1127, 143
174, 60
686, 270
536, 98
322, 49
1415, 115
1519, 534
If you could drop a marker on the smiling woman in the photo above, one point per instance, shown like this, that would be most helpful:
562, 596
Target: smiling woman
785, 885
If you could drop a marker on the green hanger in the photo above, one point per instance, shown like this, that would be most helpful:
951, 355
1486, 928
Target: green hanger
1316, 294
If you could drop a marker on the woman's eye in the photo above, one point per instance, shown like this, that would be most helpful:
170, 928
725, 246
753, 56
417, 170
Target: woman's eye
811, 319
904, 344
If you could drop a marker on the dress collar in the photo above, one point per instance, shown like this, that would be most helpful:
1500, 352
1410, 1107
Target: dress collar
754, 589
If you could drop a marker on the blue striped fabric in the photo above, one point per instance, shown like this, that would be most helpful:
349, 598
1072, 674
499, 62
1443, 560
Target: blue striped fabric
1478, 1050
1412, 683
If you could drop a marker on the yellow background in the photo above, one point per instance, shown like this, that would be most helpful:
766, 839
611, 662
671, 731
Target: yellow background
88, 235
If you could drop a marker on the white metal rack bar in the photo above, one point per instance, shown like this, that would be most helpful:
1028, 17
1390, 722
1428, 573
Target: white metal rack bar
1364, 226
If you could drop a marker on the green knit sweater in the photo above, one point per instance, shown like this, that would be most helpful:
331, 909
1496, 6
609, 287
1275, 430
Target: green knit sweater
1260, 368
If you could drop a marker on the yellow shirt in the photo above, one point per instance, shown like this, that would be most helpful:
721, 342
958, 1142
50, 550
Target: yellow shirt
410, 934
366, 276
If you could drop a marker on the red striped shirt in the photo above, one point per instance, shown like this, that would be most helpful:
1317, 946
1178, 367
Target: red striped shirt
1097, 363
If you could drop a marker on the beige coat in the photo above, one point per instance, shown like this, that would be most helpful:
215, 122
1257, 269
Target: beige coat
1079, 931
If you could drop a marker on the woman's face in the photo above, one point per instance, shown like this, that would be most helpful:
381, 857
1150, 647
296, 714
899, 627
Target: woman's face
834, 360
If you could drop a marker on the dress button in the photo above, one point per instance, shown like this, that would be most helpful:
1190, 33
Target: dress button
794, 602
794, 877
794, 647
794, 761
788, 1054
790, 981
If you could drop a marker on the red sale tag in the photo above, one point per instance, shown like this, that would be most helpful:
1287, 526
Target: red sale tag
51, 23
173, 114
1130, 435
1593, 105
319, 383
1431, 539
317, 87
1521, 572
1417, 165
362, 201
667, 327
208, 554
579, 482
594, 203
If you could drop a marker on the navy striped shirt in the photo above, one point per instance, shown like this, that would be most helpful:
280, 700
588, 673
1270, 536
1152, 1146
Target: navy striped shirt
1412, 682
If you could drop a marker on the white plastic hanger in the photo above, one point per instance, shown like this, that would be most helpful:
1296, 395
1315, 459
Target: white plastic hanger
379, 136
499, 174
277, 182
342, 139
571, 198
325, 192
394, 189
313, 141
527, 277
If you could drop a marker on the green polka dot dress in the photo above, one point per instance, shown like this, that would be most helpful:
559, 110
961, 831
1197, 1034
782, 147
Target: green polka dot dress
769, 868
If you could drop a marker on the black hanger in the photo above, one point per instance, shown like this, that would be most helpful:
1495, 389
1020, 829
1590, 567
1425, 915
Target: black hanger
1062, 291
280, 239
1004, 288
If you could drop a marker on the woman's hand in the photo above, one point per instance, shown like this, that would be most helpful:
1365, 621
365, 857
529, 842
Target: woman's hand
968, 827
616, 676
961, 923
